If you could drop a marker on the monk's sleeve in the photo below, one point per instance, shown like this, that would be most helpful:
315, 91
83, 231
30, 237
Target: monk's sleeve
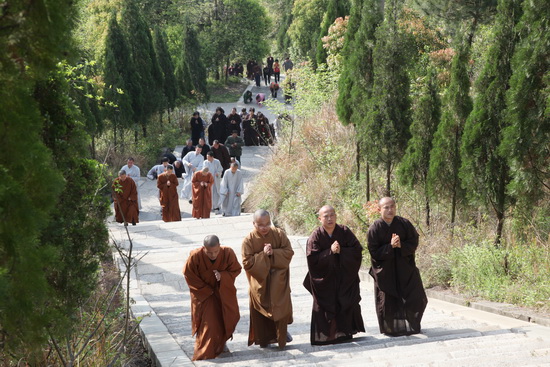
378, 251
409, 243
174, 180
319, 260
351, 253
160, 183
195, 181
256, 264
233, 268
281, 256
197, 286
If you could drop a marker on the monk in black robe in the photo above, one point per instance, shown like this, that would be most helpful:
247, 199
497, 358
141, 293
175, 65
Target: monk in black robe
333, 257
399, 293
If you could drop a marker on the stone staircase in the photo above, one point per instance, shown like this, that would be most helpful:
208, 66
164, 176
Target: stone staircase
452, 335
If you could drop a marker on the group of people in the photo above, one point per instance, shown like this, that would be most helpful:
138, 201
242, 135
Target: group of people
334, 257
211, 181
272, 68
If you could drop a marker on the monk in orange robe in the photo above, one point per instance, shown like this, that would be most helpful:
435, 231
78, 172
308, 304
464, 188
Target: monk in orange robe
167, 183
126, 199
210, 273
266, 253
202, 193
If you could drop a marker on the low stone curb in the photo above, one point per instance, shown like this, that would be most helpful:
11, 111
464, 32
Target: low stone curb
503, 309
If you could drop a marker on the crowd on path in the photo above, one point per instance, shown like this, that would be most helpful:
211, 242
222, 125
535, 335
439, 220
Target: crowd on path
334, 257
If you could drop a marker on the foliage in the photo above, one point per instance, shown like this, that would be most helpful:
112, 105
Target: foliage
484, 173
304, 30
333, 42
526, 138
426, 112
190, 72
387, 125
166, 65
226, 92
335, 9
443, 178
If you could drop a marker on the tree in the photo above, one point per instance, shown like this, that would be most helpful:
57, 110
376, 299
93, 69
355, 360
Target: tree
386, 129
526, 137
304, 30
443, 178
146, 92
170, 86
414, 168
190, 72
282, 37
335, 9
119, 78
484, 173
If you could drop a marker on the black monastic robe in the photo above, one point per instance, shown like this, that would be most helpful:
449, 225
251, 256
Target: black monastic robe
399, 293
333, 281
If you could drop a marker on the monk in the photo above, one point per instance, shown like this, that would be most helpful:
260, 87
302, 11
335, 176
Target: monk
167, 183
266, 253
202, 193
399, 293
210, 273
334, 257
125, 198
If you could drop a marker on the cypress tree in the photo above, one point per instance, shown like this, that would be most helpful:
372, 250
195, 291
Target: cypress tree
526, 137
330, 15
166, 65
283, 40
443, 178
484, 173
386, 129
190, 71
414, 168
118, 75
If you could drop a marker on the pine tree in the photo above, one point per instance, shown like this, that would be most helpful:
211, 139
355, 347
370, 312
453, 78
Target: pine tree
190, 72
484, 173
167, 67
386, 129
413, 170
283, 40
526, 137
335, 9
443, 178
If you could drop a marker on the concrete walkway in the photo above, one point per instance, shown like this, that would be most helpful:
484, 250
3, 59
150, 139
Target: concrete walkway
452, 335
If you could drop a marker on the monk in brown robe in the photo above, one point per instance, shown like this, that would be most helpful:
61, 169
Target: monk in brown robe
334, 257
125, 199
398, 290
202, 193
167, 183
266, 253
210, 273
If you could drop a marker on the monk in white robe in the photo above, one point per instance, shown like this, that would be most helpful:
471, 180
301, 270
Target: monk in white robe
231, 190
192, 162
216, 169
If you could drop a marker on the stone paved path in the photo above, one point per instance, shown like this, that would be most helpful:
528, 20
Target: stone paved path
452, 335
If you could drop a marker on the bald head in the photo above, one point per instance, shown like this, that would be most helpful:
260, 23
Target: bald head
387, 208
327, 217
261, 213
211, 241
262, 221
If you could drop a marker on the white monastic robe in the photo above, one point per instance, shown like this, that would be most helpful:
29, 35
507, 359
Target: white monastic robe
232, 183
191, 162
158, 169
135, 173
216, 169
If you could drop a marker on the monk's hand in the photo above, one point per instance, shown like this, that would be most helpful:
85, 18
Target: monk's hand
217, 275
167, 183
395, 241
335, 247
268, 249
238, 194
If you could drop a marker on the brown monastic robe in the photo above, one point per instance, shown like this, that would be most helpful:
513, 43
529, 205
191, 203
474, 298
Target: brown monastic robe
128, 200
214, 307
399, 293
202, 196
269, 291
333, 281
169, 200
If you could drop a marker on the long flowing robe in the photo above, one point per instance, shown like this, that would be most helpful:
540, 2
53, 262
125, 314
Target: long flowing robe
216, 169
269, 286
333, 281
222, 154
169, 200
231, 185
127, 198
214, 307
135, 174
202, 195
399, 293
196, 160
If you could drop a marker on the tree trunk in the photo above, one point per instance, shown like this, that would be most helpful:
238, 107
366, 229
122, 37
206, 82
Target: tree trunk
368, 180
500, 224
226, 70
169, 116
92, 147
144, 129
357, 161
427, 212
114, 136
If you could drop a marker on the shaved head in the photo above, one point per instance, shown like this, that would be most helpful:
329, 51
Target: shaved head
260, 213
211, 241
